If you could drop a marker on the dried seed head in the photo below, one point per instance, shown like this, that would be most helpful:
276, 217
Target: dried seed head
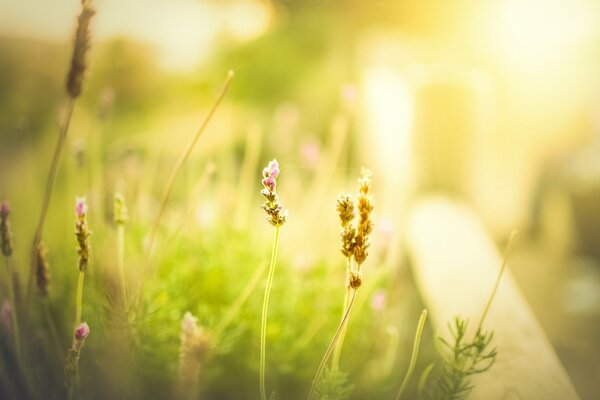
365, 225
82, 233
345, 209
276, 215
82, 45
5, 232
121, 214
355, 280
42, 270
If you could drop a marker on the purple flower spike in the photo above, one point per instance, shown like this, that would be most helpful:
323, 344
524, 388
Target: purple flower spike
269, 183
4, 208
80, 207
82, 331
272, 170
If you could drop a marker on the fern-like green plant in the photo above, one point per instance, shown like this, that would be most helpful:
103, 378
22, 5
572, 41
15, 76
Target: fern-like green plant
461, 359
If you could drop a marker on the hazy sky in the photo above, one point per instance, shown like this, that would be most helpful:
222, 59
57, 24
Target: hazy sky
182, 29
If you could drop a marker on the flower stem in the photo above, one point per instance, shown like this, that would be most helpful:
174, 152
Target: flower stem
13, 305
507, 251
415, 353
79, 298
265, 309
333, 342
37, 237
182, 159
335, 360
121, 261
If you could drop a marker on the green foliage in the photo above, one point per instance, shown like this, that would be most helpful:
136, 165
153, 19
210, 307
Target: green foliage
461, 359
333, 385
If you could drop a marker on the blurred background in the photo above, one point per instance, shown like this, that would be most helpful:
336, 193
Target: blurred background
495, 102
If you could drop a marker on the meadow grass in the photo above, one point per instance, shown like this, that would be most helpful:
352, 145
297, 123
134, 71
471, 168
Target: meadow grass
195, 324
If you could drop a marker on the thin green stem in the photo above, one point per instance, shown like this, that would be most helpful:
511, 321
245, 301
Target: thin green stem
121, 261
182, 159
79, 298
507, 251
13, 305
330, 347
415, 354
265, 309
37, 237
335, 360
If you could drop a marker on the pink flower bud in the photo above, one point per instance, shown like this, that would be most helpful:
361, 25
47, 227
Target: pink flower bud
80, 207
82, 331
272, 170
269, 183
4, 208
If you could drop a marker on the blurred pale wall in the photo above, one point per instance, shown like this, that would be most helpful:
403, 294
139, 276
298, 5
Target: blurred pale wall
480, 111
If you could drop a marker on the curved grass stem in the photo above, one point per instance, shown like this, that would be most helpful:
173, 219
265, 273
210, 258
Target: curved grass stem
265, 309
414, 355
507, 251
179, 164
337, 351
37, 237
332, 344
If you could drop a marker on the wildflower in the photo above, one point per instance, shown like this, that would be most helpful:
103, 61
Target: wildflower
82, 45
193, 350
276, 217
81, 233
80, 334
5, 233
275, 212
42, 271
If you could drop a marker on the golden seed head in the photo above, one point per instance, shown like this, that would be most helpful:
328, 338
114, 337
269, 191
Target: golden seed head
345, 209
355, 280
365, 224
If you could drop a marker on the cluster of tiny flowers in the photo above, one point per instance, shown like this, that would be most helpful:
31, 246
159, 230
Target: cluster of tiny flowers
5, 234
194, 348
355, 239
82, 45
82, 233
276, 215
42, 270
72, 364
121, 214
